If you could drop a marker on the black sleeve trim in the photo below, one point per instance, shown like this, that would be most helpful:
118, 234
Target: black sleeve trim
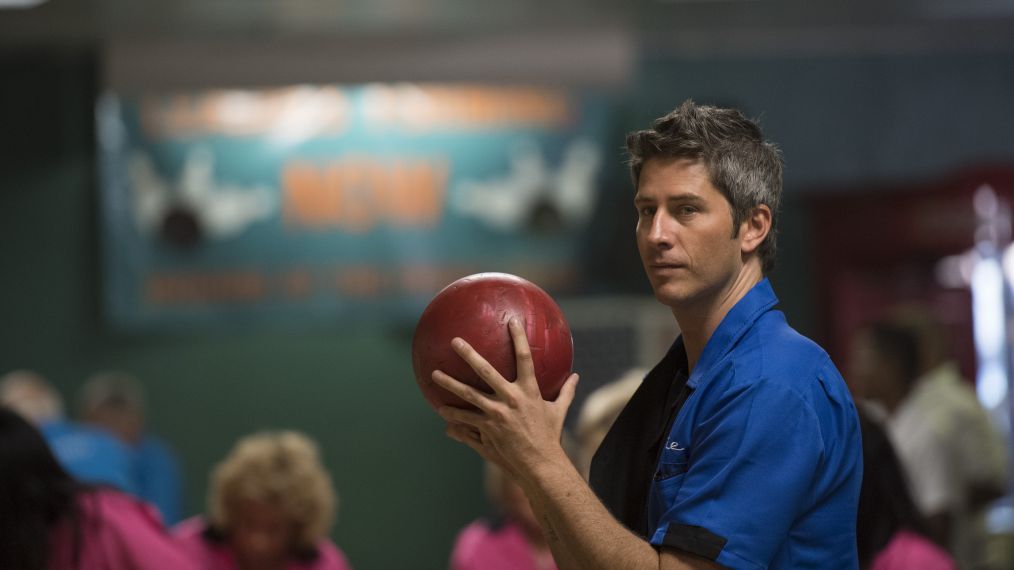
695, 540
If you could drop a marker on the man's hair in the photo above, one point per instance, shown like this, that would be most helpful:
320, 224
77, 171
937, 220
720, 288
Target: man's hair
741, 165
112, 391
283, 468
898, 348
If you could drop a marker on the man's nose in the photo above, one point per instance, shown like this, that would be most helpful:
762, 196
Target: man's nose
661, 231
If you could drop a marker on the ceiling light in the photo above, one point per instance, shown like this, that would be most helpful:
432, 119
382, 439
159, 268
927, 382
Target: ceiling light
20, 4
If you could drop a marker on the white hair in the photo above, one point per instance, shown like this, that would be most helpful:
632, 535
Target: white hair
30, 395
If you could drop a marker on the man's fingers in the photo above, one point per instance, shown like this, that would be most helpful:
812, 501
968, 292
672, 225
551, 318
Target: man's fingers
468, 436
462, 432
461, 390
522, 352
468, 418
567, 392
482, 367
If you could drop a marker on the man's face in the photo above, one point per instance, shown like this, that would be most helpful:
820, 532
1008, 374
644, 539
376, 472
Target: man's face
862, 368
125, 424
684, 232
871, 376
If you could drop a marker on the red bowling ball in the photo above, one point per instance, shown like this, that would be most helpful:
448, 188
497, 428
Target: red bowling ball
477, 308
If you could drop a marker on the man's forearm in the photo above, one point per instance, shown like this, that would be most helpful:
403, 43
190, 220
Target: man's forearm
579, 529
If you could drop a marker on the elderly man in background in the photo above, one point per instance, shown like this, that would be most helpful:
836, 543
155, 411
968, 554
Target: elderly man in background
89, 454
115, 402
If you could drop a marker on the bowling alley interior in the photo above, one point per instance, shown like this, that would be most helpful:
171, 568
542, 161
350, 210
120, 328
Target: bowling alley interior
238, 237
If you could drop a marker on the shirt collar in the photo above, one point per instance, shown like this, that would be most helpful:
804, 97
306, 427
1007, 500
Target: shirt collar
757, 301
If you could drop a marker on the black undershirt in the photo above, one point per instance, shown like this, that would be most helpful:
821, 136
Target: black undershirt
624, 466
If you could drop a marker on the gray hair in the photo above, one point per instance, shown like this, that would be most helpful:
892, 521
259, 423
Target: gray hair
111, 390
742, 166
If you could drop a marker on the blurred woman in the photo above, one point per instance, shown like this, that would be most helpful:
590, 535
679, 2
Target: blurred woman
890, 532
512, 540
49, 520
598, 412
270, 507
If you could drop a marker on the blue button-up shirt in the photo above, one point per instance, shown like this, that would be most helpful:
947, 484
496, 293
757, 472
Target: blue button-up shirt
763, 462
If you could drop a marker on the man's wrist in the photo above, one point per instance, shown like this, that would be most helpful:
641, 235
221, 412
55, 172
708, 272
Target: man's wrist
539, 475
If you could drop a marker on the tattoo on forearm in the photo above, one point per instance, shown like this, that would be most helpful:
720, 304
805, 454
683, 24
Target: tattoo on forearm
550, 531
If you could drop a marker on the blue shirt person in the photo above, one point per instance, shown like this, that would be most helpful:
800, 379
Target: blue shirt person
115, 401
91, 455
87, 453
741, 449
759, 465
158, 478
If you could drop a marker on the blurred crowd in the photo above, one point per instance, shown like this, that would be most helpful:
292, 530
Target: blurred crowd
100, 491
923, 419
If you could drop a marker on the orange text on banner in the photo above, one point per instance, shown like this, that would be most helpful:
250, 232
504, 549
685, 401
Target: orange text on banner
355, 194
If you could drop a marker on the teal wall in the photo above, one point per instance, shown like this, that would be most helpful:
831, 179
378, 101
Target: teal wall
404, 488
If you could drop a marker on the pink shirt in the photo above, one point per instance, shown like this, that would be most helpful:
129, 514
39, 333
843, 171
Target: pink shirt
116, 531
480, 548
909, 550
217, 556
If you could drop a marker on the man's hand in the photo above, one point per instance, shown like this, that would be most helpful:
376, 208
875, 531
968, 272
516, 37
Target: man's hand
519, 431
513, 427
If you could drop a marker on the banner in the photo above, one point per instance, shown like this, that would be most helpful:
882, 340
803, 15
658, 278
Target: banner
327, 203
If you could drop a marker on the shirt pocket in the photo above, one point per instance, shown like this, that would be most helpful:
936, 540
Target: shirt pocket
671, 464
667, 483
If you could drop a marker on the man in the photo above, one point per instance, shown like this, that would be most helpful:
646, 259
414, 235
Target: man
954, 458
741, 449
88, 454
114, 401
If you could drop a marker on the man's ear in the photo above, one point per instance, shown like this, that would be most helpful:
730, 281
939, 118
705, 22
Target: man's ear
755, 228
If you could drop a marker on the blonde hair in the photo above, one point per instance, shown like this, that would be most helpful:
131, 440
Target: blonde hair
602, 406
600, 410
30, 395
282, 468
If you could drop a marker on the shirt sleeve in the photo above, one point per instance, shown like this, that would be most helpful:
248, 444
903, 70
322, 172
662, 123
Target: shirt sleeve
159, 479
750, 473
979, 445
930, 470
134, 537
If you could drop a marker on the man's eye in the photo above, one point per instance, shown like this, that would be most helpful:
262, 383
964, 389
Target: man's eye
687, 210
647, 211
